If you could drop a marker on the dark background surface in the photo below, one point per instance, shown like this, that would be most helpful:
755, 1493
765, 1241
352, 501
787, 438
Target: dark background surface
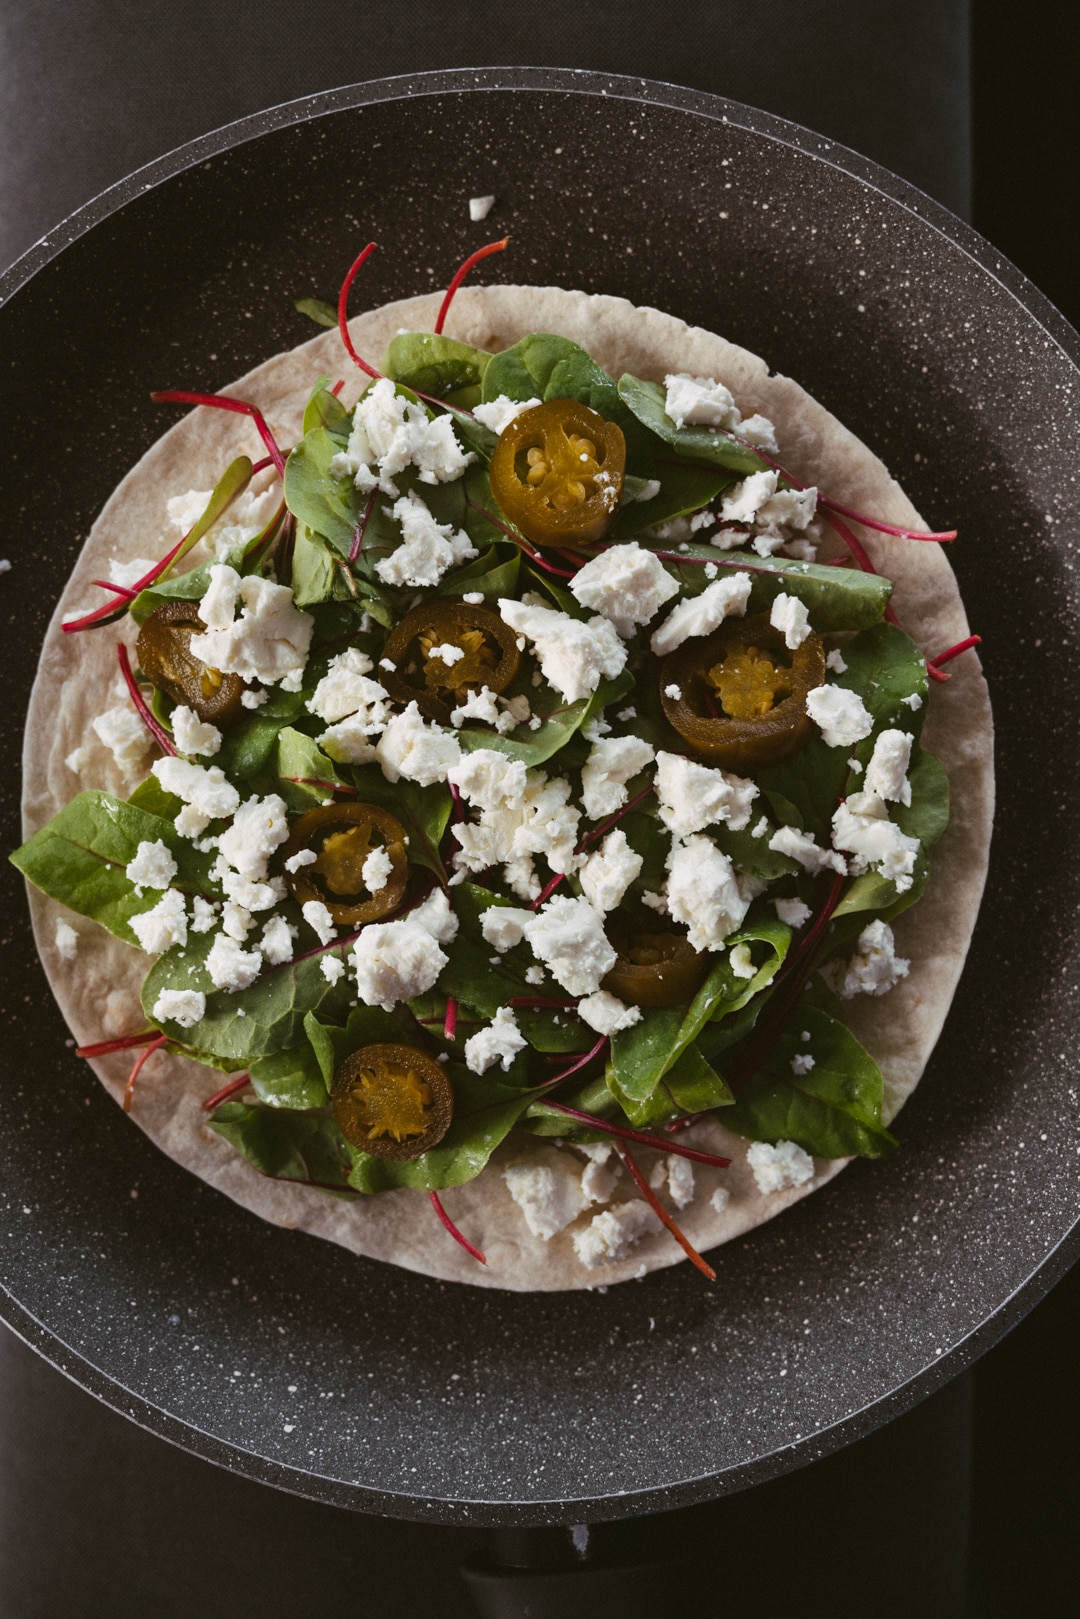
89, 93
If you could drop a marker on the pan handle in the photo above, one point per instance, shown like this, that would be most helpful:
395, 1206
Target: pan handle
547, 1574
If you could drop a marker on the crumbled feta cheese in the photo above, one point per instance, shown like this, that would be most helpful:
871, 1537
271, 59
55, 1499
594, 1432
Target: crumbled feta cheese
302, 857
258, 828
489, 780
609, 871
428, 548
788, 510
522, 814
680, 1179
720, 1199
254, 697
395, 961
655, 902
185, 510
740, 503
347, 742
236, 921
218, 606
886, 773
839, 714
913, 702
152, 867
193, 735
759, 431
648, 491
625, 583
208, 792
473, 597
232, 968
778, 1167
345, 690
801, 1063
204, 915
332, 968
699, 402
534, 975
835, 662
760, 827
412, 748
499, 1042
700, 615
478, 705
126, 737
164, 925
128, 573
317, 916
673, 691
276, 942
480, 207
567, 935
436, 918
610, 1235
606, 1013
390, 432
269, 642
65, 939
376, 870
597, 1180
693, 796
855, 765
78, 759
789, 615
503, 926
792, 912
247, 892
498, 413
740, 961
609, 767
184, 1007
861, 827
803, 847
573, 655
703, 893
875, 968
548, 1191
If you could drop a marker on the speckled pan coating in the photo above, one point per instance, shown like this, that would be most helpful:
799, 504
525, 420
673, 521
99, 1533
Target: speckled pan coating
358, 1384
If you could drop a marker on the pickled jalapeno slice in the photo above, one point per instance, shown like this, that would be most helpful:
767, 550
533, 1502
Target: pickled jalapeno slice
557, 472
742, 693
392, 1100
656, 969
343, 838
166, 659
444, 650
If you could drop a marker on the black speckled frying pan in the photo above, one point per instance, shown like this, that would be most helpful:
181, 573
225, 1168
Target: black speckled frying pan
358, 1384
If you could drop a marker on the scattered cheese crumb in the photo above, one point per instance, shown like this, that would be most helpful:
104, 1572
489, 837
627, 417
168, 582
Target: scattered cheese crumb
480, 207
776, 1168
499, 1042
184, 1007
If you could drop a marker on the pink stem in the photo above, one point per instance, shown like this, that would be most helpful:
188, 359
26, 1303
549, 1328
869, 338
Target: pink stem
129, 1088
137, 698
470, 262
104, 1047
117, 590
231, 1089
436, 1203
450, 1022
955, 651
342, 311
317, 781
591, 837
358, 534
884, 528
547, 891
659, 1210
533, 556
586, 1057
643, 1137
240, 407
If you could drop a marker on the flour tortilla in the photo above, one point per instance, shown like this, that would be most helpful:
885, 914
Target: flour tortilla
98, 991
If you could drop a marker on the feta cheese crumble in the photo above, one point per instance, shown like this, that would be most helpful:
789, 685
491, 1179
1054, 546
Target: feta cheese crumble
839, 714
499, 1042
65, 939
164, 925
789, 615
703, 892
625, 583
232, 968
567, 935
804, 847
611, 763
606, 1013
184, 1007
417, 750
395, 961
126, 737
269, 642
693, 796
776, 1168
428, 548
574, 655
547, 1188
861, 827
498, 413
152, 867
874, 968
480, 207
701, 615
886, 774
193, 735
609, 870
610, 1235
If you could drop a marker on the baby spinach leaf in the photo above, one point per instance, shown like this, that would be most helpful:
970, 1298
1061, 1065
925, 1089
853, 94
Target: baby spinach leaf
366, 1026
470, 975
330, 506
556, 729
429, 363
706, 444
489, 574
80, 858
151, 797
834, 1111
836, 599
289, 1078
318, 310
690, 1086
543, 366
305, 1147
643, 1054
300, 763
316, 572
484, 1114
324, 409
683, 489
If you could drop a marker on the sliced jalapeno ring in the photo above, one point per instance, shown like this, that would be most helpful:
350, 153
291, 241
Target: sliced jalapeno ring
343, 837
557, 472
656, 969
165, 658
444, 650
392, 1100
742, 693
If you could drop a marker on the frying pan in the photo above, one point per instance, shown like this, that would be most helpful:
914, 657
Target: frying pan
352, 1382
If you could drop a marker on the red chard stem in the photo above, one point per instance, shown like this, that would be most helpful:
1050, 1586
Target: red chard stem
223, 1095
129, 1088
659, 1210
472, 260
643, 1137
140, 703
436, 1203
342, 311
240, 407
